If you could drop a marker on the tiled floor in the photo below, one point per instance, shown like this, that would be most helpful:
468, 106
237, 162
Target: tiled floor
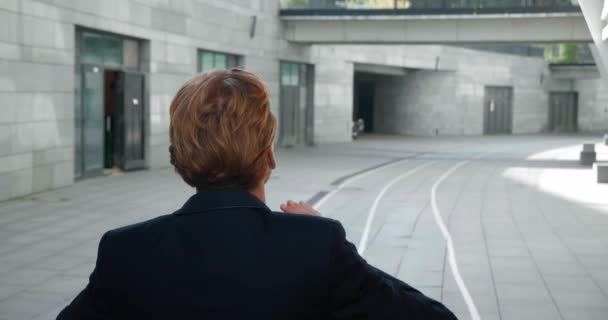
529, 225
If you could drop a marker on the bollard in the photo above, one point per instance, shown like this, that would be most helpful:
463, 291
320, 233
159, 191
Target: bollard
589, 147
606, 139
588, 155
602, 172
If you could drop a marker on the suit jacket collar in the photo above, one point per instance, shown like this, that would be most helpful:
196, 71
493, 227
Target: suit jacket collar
221, 199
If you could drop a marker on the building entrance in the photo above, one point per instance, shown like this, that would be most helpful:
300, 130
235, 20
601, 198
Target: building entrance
563, 111
110, 111
498, 110
363, 107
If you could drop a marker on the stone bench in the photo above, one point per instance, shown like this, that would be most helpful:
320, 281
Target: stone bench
588, 155
602, 172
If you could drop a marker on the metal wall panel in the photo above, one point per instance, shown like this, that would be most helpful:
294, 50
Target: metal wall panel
296, 115
563, 112
130, 131
498, 110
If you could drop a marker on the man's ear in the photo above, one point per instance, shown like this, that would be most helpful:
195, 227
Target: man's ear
272, 162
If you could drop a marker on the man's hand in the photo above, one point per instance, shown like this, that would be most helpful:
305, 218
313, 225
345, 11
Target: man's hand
299, 208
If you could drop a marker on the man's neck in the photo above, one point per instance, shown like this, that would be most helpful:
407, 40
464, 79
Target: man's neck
259, 192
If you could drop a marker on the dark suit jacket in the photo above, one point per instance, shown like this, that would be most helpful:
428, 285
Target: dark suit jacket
226, 255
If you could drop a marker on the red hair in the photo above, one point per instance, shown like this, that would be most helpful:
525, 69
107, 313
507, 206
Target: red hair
221, 126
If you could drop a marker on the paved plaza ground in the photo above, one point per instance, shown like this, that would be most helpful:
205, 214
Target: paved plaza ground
529, 225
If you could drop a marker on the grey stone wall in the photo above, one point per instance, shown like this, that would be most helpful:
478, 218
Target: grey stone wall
444, 93
37, 63
592, 104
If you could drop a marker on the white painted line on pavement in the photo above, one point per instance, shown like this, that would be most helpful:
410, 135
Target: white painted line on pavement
352, 179
372, 211
450, 245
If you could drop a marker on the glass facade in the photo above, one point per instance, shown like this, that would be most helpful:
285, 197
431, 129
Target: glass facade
290, 74
101, 49
296, 112
209, 60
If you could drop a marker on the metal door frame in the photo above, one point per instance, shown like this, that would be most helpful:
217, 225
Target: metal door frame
84, 173
308, 114
128, 165
145, 112
550, 125
486, 111
78, 97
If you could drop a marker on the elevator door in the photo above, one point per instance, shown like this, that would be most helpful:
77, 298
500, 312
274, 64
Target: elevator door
129, 116
91, 144
563, 111
498, 110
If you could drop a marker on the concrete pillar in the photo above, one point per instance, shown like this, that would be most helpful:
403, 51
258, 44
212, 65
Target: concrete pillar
596, 14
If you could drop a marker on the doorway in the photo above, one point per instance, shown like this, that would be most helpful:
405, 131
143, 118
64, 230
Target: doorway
112, 121
563, 112
110, 111
498, 110
363, 107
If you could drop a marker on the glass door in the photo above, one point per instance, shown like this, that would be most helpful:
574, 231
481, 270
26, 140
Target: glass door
130, 121
134, 115
92, 120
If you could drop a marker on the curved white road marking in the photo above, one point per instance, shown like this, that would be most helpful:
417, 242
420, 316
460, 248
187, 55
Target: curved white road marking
438, 219
450, 245
352, 179
372, 211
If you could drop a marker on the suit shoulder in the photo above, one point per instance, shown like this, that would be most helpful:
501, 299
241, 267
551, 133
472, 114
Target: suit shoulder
313, 223
142, 228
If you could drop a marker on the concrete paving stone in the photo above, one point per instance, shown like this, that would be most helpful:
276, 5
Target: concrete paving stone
40, 303
26, 276
582, 284
421, 278
22, 256
582, 314
588, 300
63, 285
82, 270
23, 238
527, 311
517, 276
562, 269
17, 308
50, 313
60, 263
599, 274
6, 291
475, 285
512, 263
593, 261
510, 252
508, 292
485, 303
